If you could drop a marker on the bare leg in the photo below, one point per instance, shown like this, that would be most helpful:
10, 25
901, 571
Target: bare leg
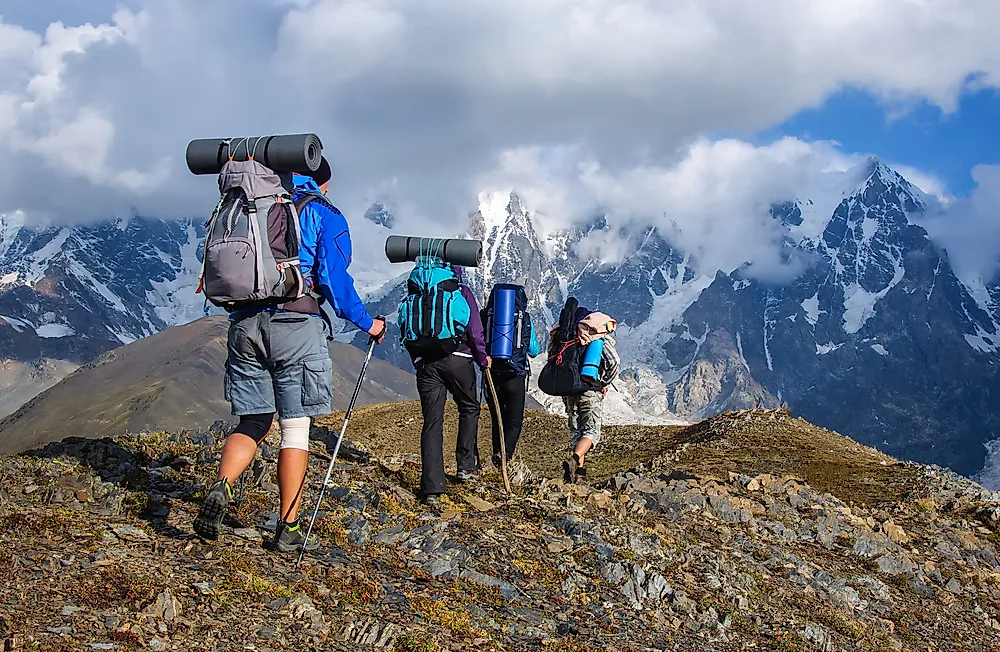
582, 448
292, 464
237, 455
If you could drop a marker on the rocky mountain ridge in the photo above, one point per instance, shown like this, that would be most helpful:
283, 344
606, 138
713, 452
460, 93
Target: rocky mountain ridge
70, 293
750, 530
874, 334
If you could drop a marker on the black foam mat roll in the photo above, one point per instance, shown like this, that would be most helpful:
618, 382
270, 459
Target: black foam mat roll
403, 248
288, 153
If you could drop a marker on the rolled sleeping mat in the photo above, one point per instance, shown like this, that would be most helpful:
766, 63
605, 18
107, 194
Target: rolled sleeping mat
290, 153
592, 360
403, 249
502, 323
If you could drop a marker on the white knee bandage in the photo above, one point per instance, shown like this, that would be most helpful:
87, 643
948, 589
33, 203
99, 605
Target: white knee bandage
295, 433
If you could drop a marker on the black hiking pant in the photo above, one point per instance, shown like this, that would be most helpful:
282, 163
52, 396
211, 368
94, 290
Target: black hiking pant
455, 375
511, 393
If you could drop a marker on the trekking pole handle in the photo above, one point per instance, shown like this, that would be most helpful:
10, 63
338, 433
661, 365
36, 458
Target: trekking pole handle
385, 327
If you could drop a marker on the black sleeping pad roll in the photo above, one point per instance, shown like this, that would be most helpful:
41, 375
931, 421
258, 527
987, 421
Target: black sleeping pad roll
289, 153
403, 249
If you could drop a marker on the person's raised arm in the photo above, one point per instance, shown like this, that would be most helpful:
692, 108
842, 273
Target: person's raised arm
333, 255
475, 336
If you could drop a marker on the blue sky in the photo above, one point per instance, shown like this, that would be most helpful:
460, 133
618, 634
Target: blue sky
946, 146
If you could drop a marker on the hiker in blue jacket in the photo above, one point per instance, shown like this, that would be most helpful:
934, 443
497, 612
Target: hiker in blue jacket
278, 361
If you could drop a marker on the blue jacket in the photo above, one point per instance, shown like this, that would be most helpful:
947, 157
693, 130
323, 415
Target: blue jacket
534, 348
325, 254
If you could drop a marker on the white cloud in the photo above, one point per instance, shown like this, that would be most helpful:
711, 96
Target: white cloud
713, 201
929, 183
970, 228
422, 98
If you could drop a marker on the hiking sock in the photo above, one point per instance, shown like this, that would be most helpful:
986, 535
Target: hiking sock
213, 509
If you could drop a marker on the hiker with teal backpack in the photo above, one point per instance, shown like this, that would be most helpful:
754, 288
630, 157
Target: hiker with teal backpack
276, 249
440, 327
510, 341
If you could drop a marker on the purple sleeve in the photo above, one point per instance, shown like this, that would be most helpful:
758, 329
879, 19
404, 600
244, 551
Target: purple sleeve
477, 343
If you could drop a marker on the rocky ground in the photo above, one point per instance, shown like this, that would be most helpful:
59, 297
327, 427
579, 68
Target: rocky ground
752, 530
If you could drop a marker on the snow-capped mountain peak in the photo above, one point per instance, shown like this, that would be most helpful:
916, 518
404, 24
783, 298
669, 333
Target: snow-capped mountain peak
380, 215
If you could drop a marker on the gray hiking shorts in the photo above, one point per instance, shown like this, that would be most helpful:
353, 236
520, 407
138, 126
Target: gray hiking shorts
583, 414
279, 362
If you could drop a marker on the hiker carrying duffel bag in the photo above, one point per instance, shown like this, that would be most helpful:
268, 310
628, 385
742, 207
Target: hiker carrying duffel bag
561, 374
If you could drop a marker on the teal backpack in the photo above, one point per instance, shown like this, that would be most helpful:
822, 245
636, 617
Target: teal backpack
434, 316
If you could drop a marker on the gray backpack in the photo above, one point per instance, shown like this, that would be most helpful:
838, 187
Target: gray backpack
251, 252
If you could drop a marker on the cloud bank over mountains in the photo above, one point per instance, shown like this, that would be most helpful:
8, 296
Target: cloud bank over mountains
614, 106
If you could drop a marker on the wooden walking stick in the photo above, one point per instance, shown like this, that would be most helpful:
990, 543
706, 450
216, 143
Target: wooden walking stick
503, 443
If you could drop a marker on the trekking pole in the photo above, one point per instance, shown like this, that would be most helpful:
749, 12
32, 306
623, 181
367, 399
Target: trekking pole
336, 448
503, 443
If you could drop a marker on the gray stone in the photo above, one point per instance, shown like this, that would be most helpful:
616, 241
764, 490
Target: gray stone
392, 535
614, 573
723, 507
358, 530
130, 533
165, 607
819, 637
507, 589
371, 633
870, 545
248, 534
892, 565
643, 544
657, 587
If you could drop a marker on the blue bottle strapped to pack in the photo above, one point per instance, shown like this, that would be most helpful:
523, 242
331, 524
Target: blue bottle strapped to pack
592, 360
503, 323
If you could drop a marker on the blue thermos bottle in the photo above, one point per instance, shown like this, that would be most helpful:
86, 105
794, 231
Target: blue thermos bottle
592, 360
502, 323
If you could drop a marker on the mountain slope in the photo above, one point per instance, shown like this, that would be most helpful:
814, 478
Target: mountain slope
169, 381
70, 293
878, 337
749, 531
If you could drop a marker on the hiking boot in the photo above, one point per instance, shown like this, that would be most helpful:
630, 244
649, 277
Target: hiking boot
213, 510
289, 537
466, 476
570, 468
581, 475
496, 460
432, 500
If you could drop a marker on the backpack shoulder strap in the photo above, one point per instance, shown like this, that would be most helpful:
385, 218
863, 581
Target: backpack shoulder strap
305, 197
303, 200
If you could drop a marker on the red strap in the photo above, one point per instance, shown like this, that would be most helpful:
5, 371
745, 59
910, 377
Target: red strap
559, 356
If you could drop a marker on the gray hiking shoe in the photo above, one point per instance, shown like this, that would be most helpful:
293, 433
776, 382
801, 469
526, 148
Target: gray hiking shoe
213, 510
466, 476
431, 500
290, 536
